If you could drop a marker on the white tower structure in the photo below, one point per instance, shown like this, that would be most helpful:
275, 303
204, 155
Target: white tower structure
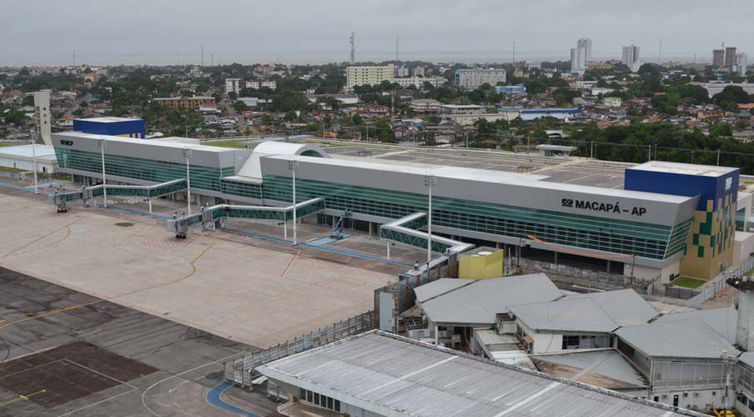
745, 323
43, 115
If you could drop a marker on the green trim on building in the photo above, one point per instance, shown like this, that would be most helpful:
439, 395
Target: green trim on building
609, 235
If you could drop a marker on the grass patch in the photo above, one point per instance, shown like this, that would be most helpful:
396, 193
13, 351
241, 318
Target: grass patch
686, 282
10, 169
3, 144
227, 143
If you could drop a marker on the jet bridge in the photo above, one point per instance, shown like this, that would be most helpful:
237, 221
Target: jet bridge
60, 199
404, 230
210, 217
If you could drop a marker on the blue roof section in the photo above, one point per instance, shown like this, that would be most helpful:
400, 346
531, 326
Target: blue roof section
114, 126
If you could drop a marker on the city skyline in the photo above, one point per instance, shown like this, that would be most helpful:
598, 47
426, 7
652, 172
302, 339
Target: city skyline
169, 32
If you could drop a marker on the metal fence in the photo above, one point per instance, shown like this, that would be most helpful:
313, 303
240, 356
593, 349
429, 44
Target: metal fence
589, 278
715, 286
241, 369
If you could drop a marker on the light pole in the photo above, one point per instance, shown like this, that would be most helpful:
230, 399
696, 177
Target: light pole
429, 182
104, 175
34, 160
293, 166
187, 155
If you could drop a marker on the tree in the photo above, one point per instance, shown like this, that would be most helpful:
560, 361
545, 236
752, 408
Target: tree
722, 129
239, 106
732, 93
564, 96
289, 100
15, 117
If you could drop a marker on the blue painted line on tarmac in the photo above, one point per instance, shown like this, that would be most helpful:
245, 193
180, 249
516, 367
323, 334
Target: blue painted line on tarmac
139, 212
214, 397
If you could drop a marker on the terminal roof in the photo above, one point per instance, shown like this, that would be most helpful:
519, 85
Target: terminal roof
601, 367
392, 376
677, 339
535, 182
721, 320
597, 312
109, 119
481, 301
681, 168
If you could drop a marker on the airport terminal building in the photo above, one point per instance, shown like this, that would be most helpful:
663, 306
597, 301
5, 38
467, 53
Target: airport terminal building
668, 219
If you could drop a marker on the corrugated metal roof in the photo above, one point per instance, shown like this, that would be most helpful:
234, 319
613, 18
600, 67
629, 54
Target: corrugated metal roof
481, 301
678, 339
721, 320
596, 312
747, 358
603, 367
439, 287
393, 376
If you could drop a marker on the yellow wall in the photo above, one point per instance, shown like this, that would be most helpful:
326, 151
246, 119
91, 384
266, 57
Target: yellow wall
481, 266
711, 240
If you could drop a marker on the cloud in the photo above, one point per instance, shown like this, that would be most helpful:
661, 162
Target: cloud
158, 31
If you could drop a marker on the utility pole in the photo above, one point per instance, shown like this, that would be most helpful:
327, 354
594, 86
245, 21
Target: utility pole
293, 166
187, 155
429, 182
104, 175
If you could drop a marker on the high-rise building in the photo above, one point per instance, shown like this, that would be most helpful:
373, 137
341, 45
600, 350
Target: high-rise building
718, 58
471, 79
631, 57
730, 57
586, 46
581, 55
742, 62
232, 85
368, 75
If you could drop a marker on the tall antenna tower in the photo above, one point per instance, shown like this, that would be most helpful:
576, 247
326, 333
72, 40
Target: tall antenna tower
352, 39
514, 53
397, 43
202, 54
74, 57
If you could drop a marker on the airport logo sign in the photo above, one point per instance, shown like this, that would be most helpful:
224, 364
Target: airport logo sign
602, 207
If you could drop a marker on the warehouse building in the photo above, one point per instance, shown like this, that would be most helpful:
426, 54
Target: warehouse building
670, 219
378, 374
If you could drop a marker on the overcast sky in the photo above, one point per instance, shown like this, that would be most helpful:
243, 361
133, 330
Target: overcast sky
316, 31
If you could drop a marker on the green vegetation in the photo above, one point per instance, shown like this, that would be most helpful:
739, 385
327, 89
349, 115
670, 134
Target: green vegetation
686, 282
10, 169
228, 143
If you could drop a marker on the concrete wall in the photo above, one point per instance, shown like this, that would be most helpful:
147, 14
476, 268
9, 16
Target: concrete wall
742, 248
647, 273
700, 400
